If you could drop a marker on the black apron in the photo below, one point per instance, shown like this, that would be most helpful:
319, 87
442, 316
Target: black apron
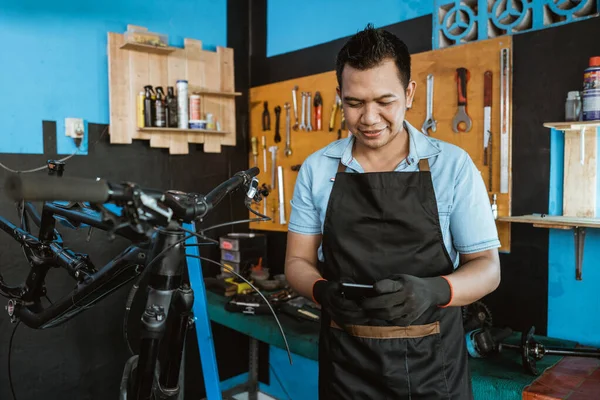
379, 225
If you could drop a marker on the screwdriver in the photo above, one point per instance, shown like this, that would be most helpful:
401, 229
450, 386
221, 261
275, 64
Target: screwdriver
264, 147
254, 141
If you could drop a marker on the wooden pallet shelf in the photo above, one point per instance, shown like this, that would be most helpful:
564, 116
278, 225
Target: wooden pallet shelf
148, 48
175, 130
572, 125
131, 66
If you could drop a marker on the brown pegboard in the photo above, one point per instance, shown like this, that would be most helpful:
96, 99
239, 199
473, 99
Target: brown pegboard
477, 57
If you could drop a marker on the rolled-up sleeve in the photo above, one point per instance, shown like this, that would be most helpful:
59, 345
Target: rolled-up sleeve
304, 217
472, 223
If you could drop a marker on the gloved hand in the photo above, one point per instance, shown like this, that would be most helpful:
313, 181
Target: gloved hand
341, 310
405, 298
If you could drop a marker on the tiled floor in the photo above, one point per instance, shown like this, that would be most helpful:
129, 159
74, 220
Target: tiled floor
572, 378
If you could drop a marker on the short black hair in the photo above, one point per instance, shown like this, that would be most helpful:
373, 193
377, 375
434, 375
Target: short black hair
369, 47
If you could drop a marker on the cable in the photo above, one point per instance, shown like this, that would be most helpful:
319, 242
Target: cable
229, 269
234, 223
201, 236
61, 160
10, 342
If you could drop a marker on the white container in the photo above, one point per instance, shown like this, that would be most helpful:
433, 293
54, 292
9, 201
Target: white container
182, 104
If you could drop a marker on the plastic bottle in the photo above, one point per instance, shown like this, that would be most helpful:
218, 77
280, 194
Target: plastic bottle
182, 104
148, 107
171, 103
591, 91
573, 106
160, 121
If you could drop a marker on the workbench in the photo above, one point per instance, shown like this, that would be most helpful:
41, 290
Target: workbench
502, 377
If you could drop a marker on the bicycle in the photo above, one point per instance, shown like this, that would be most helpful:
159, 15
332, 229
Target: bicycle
153, 221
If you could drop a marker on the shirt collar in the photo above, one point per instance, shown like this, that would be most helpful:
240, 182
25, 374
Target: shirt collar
421, 146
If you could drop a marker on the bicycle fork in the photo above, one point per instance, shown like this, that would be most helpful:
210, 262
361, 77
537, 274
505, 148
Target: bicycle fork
165, 321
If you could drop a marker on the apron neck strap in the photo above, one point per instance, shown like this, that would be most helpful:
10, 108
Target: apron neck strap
423, 164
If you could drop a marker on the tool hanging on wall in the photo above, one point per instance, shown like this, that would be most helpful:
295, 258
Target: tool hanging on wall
273, 150
303, 113
295, 101
277, 119
264, 192
266, 118
264, 148
430, 122
337, 105
254, 142
462, 117
487, 116
309, 112
504, 117
342, 125
318, 111
282, 220
288, 132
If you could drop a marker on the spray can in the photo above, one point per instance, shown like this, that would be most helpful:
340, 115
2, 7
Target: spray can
182, 104
195, 112
591, 90
140, 109
160, 121
171, 105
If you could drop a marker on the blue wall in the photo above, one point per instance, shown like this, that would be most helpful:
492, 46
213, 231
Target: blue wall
54, 62
573, 306
294, 26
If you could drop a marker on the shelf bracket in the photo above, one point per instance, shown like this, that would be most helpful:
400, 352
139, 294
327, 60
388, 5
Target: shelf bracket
579, 233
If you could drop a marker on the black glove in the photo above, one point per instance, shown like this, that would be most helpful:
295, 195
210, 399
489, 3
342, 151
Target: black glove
341, 310
405, 298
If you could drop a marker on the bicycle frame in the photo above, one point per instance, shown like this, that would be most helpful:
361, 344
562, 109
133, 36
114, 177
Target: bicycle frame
46, 251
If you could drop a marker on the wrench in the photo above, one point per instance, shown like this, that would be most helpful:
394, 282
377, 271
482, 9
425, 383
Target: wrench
273, 150
462, 76
288, 134
430, 122
294, 93
309, 116
303, 124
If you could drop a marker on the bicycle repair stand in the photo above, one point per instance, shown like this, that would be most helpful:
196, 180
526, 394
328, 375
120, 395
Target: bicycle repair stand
208, 358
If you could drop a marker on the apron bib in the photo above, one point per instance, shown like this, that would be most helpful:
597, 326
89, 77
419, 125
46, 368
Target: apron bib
379, 225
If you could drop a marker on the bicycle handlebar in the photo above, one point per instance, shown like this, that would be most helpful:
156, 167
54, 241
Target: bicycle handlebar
99, 191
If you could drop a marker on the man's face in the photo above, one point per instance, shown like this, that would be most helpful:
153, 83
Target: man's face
375, 103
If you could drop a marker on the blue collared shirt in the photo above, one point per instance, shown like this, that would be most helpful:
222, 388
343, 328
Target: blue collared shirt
464, 207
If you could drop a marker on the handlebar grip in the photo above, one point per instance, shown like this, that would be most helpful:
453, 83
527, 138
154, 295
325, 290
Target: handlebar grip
252, 172
46, 188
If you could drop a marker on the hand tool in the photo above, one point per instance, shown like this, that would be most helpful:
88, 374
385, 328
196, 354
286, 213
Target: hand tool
462, 76
264, 147
487, 115
264, 192
504, 117
266, 117
430, 122
273, 150
295, 101
281, 196
494, 206
302, 115
277, 115
342, 125
288, 133
318, 111
254, 142
334, 109
309, 112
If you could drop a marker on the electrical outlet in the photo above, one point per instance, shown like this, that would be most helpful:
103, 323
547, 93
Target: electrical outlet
74, 128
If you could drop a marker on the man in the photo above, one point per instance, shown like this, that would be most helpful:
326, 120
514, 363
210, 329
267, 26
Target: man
405, 212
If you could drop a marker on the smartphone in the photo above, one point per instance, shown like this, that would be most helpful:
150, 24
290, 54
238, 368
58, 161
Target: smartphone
357, 291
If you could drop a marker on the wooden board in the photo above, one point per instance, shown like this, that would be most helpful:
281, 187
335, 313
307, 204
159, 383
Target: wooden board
554, 221
133, 67
477, 57
579, 186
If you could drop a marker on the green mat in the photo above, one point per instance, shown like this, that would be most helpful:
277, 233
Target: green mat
502, 377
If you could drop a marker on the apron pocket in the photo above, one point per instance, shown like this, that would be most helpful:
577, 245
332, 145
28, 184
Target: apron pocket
376, 362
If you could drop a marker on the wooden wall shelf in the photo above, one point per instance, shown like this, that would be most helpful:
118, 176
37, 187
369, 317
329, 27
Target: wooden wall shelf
572, 125
578, 225
131, 66
159, 130
148, 48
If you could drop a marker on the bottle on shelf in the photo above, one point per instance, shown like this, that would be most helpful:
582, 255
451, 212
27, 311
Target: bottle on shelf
149, 112
160, 121
171, 107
